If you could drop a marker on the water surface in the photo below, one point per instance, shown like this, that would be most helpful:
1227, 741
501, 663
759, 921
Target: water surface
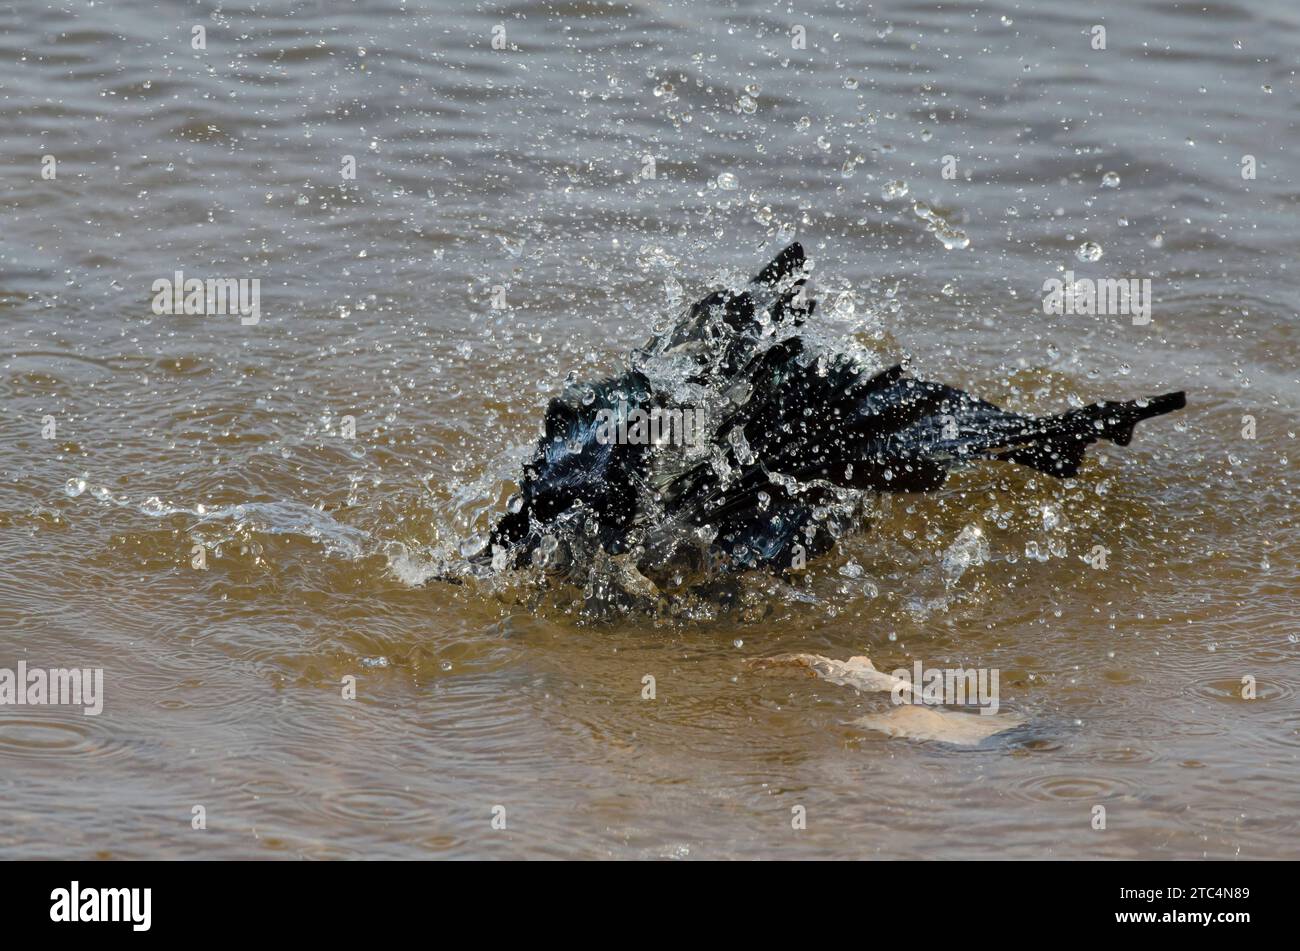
520, 174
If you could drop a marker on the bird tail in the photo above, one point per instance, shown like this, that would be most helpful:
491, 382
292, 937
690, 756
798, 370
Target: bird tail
1055, 445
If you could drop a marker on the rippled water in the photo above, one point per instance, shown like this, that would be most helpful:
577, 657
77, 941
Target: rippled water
520, 174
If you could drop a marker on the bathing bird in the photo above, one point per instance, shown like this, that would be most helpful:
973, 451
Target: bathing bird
734, 441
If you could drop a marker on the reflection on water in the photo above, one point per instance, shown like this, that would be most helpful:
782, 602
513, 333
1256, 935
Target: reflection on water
522, 212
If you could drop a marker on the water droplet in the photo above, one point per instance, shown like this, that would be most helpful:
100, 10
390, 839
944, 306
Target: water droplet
153, 506
728, 182
1110, 180
1089, 251
1050, 518
937, 225
894, 190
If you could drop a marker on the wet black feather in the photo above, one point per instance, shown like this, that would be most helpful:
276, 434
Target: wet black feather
792, 428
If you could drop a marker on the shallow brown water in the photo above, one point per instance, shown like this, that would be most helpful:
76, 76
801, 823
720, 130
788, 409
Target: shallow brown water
519, 167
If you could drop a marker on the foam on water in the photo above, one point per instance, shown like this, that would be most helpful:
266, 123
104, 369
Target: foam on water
219, 524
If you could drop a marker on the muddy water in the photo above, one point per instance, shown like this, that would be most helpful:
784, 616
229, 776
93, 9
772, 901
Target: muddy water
521, 173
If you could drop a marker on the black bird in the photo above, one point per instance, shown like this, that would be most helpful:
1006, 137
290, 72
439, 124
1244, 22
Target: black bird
734, 441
